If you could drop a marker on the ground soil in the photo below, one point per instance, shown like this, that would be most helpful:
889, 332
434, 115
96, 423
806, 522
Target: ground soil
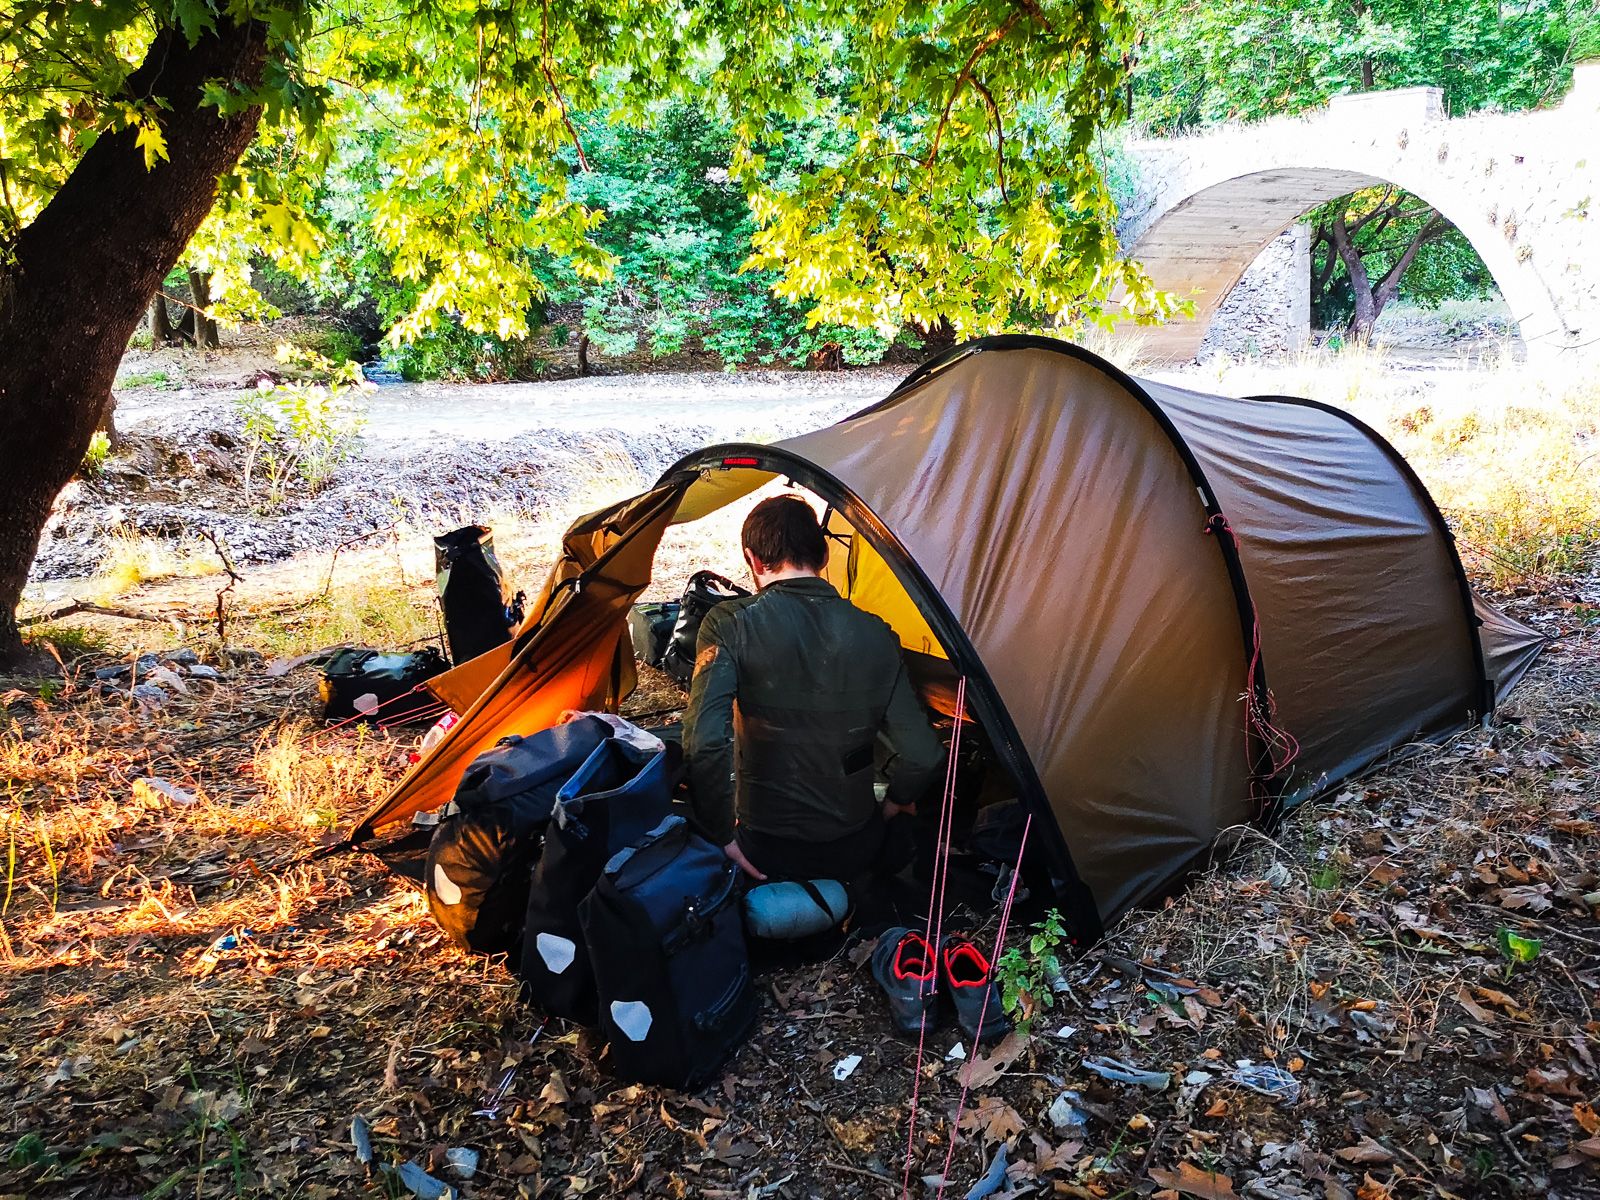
191, 1004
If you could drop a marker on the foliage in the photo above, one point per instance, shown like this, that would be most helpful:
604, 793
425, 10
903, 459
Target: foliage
99, 453
1240, 60
1026, 972
905, 164
300, 433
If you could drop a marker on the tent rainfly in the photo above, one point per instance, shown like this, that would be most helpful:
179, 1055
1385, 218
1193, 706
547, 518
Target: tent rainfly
1175, 612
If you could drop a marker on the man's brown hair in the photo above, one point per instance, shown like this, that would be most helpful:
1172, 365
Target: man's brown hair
783, 530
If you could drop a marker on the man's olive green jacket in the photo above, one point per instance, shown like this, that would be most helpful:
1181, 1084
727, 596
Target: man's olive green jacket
792, 688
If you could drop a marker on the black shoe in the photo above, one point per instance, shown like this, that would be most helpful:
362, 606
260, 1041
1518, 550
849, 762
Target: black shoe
969, 982
904, 966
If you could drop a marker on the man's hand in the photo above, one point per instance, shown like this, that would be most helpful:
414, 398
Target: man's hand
892, 810
733, 851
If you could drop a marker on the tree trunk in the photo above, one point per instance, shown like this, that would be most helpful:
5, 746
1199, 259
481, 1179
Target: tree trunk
205, 329
83, 274
160, 323
1360, 328
108, 425
583, 355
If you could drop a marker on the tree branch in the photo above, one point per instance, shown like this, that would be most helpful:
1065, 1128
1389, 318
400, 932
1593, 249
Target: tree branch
978, 51
555, 90
999, 135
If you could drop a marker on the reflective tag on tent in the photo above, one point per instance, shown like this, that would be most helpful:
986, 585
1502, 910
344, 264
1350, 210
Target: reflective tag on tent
632, 1017
557, 951
444, 887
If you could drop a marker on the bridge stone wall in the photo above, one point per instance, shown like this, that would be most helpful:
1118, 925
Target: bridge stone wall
1524, 188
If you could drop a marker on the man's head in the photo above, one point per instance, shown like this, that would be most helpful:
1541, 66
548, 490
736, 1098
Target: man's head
782, 540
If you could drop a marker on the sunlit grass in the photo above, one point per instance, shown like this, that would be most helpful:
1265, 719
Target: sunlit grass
132, 559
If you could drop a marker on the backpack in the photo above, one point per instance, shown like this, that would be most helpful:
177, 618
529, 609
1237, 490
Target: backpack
671, 970
650, 629
369, 685
471, 591
481, 858
618, 795
704, 591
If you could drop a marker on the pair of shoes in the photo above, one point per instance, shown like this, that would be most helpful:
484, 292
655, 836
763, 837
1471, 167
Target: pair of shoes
909, 973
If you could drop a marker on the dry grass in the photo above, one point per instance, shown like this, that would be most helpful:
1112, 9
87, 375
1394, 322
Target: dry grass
132, 559
1509, 450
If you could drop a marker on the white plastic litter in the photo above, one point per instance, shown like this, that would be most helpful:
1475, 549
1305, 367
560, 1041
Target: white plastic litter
957, 1053
1065, 1114
151, 785
846, 1066
424, 1186
462, 1161
1268, 1080
361, 1138
1066, 1031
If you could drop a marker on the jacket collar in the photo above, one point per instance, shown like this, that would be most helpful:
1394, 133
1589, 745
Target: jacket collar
806, 585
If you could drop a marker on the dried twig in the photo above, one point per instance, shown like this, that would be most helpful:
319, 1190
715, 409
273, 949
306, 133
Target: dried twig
233, 578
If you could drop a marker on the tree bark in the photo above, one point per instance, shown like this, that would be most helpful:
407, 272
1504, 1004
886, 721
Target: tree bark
1371, 298
161, 333
83, 274
205, 329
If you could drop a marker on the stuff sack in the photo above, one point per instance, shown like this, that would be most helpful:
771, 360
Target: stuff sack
472, 592
663, 931
705, 590
481, 858
370, 685
618, 795
650, 629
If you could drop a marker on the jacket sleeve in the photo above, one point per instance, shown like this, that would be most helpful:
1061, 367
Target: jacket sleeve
708, 731
917, 750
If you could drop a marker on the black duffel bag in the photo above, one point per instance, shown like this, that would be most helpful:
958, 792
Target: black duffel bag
472, 592
650, 629
380, 687
665, 936
705, 590
618, 795
481, 858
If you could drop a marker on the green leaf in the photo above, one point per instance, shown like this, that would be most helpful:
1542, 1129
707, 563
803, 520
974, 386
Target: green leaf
1516, 948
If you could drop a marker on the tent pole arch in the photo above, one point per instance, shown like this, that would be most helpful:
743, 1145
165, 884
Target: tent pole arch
1079, 907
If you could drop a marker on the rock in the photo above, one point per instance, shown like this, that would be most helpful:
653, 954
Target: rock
149, 696
1065, 1114
183, 657
201, 671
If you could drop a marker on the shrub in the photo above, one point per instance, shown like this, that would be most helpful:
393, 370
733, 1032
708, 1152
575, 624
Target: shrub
300, 433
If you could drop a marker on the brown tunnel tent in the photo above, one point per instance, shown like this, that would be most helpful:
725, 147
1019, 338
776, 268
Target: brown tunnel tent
1175, 612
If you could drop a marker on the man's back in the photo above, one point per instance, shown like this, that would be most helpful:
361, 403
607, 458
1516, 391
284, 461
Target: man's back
792, 687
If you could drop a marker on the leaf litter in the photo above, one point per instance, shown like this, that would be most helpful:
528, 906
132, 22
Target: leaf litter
1392, 996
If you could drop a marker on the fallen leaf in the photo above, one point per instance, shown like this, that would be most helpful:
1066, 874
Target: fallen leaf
1584, 1115
994, 1119
1192, 1181
986, 1068
1364, 1151
554, 1090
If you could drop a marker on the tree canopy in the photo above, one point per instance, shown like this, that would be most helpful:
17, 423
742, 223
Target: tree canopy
903, 164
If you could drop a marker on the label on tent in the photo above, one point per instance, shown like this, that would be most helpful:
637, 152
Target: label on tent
444, 887
557, 951
632, 1017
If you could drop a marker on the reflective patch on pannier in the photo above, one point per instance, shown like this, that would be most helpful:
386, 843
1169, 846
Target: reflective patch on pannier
632, 1017
444, 887
557, 951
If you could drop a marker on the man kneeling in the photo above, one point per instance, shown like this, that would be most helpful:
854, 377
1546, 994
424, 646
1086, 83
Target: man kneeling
792, 688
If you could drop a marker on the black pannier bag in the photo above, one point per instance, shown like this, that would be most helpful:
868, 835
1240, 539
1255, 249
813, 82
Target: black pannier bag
665, 935
481, 858
705, 590
471, 592
618, 795
379, 687
650, 629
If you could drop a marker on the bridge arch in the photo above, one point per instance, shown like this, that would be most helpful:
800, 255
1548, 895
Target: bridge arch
1519, 187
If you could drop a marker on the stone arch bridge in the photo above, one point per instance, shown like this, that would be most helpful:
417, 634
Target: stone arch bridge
1523, 188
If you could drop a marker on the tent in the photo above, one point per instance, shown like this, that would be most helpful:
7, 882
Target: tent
1175, 612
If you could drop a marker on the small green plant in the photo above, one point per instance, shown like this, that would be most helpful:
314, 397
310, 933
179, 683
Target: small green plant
300, 433
1515, 948
139, 379
1025, 972
30, 1150
98, 453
